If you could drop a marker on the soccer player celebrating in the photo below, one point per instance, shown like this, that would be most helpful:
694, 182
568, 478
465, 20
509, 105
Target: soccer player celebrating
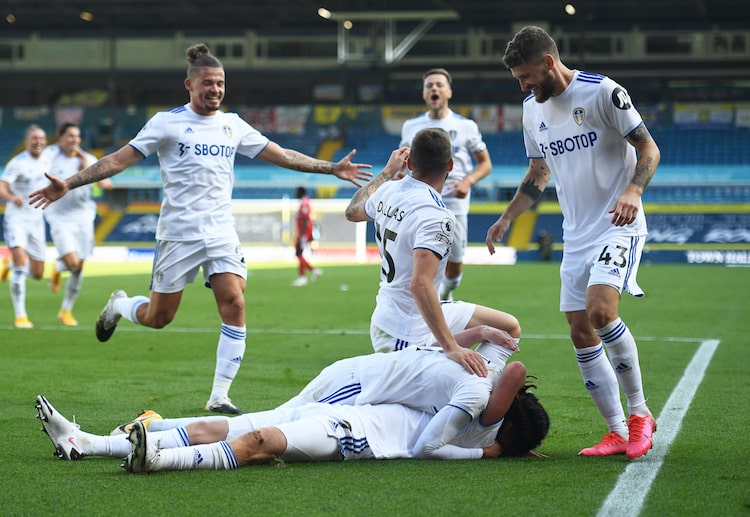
583, 129
71, 221
24, 226
414, 232
471, 163
196, 145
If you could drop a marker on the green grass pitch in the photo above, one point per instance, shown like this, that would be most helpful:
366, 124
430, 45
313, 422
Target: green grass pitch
294, 332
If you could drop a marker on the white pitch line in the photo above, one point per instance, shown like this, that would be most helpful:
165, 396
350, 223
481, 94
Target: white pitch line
634, 484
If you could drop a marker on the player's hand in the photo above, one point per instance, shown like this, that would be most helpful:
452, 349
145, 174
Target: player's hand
626, 209
396, 163
346, 170
495, 234
469, 359
499, 337
462, 189
493, 451
56, 189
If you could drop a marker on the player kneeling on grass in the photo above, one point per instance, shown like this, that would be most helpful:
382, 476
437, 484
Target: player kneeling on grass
513, 424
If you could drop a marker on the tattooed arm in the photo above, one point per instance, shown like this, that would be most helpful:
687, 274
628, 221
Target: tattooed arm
528, 193
648, 156
104, 168
355, 212
626, 208
297, 161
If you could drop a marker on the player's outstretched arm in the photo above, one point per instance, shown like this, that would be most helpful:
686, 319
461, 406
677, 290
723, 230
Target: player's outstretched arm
294, 160
105, 168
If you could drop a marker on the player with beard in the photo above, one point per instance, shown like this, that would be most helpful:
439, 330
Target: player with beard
583, 129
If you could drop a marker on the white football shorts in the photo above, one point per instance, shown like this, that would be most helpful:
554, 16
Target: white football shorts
73, 236
176, 263
27, 234
457, 315
611, 262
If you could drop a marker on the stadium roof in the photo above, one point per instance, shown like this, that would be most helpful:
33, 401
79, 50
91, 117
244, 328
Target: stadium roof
119, 16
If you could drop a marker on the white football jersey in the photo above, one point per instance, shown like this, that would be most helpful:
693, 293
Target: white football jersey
421, 378
466, 141
581, 135
76, 206
25, 174
196, 154
408, 214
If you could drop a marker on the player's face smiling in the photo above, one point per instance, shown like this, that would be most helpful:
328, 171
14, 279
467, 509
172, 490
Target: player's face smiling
70, 141
35, 143
206, 90
436, 92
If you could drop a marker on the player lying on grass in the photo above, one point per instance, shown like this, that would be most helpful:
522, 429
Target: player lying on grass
421, 378
512, 425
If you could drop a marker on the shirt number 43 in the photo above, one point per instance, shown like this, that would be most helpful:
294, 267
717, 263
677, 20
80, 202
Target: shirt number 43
619, 259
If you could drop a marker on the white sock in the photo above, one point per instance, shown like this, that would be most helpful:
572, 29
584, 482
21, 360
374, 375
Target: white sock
127, 307
601, 382
623, 354
18, 290
72, 288
169, 439
116, 446
212, 456
229, 354
496, 353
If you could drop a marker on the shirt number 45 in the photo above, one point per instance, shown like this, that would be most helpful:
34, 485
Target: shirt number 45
388, 235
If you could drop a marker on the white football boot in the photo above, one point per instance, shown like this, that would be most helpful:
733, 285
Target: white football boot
62, 432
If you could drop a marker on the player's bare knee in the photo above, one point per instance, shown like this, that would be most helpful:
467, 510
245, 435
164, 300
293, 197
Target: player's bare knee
514, 327
600, 315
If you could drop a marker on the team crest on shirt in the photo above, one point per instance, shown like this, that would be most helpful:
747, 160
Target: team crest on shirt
227, 131
453, 134
579, 115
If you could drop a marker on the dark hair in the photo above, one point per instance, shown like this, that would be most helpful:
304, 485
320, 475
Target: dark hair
299, 192
527, 421
440, 71
529, 45
198, 56
65, 126
430, 151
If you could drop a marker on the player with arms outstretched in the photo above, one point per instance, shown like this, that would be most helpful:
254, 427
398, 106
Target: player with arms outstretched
196, 144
